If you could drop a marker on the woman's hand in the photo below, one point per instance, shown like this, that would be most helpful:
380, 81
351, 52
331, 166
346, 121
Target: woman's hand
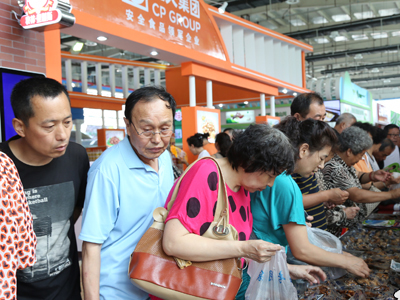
259, 250
379, 175
351, 212
356, 266
310, 273
337, 196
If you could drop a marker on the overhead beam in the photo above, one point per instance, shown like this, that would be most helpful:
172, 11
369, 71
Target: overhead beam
347, 26
358, 68
339, 54
396, 75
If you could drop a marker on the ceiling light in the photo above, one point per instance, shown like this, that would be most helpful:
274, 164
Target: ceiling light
246, 102
358, 56
334, 34
284, 91
102, 38
315, 79
90, 43
77, 47
220, 105
375, 70
291, 2
295, 94
222, 8
386, 81
154, 53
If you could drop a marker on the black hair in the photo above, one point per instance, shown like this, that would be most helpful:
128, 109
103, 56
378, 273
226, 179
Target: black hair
202, 136
223, 141
377, 134
301, 104
228, 130
197, 139
317, 134
261, 148
25, 90
388, 127
386, 143
147, 94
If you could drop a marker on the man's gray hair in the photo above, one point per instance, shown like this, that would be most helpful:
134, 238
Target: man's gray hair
346, 118
355, 139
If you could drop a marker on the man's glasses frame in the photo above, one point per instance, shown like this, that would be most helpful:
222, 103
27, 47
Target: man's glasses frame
150, 133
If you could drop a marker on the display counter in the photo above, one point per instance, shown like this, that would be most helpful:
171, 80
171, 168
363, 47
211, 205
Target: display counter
379, 246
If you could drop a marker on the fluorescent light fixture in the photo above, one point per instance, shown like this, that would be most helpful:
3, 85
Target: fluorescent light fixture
222, 8
90, 43
364, 15
334, 34
295, 94
284, 91
246, 102
358, 56
77, 47
375, 70
102, 38
340, 38
154, 53
297, 22
341, 18
321, 40
386, 81
379, 35
319, 20
388, 12
359, 37
220, 105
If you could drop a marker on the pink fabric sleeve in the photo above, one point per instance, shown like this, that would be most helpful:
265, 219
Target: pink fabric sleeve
195, 203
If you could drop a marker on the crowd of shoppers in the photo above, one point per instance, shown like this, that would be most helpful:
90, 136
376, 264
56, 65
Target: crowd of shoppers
271, 175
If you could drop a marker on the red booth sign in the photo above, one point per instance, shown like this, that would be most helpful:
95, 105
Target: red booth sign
40, 13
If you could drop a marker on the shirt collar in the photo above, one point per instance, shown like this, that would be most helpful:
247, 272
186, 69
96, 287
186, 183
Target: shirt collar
131, 159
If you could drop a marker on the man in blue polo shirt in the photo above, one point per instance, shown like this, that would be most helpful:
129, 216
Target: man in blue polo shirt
125, 185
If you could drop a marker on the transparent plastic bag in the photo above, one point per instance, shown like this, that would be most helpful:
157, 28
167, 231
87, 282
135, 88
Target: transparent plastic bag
325, 241
270, 280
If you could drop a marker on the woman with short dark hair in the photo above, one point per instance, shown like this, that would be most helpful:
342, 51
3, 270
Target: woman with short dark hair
253, 161
196, 143
222, 144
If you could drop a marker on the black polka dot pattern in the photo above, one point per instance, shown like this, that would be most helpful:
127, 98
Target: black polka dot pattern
232, 203
193, 207
242, 236
246, 192
204, 227
248, 213
215, 207
243, 213
212, 181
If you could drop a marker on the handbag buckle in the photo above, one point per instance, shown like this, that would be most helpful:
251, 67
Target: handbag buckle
220, 230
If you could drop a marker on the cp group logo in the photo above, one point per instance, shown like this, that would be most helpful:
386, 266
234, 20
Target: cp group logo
141, 4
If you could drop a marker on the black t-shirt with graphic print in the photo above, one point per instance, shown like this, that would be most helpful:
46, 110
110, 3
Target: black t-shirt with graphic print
53, 192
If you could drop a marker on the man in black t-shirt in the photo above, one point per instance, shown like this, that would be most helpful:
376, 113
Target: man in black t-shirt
53, 172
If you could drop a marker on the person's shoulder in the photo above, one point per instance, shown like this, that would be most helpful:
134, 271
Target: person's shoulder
203, 166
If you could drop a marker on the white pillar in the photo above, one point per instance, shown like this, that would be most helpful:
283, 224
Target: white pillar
262, 104
112, 79
117, 116
136, 78
68, 74
209, 94
103, 123
192, 91
157, 77
147, 76
125, 83
99, 79
272, 104
84, 76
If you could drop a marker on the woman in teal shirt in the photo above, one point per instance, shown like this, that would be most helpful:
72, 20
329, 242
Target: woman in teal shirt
278, 212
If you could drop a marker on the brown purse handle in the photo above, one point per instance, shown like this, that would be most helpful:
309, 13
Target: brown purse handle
222, 210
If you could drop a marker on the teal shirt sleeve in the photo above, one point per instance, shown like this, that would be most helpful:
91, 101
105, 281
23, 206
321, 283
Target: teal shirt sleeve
276, 206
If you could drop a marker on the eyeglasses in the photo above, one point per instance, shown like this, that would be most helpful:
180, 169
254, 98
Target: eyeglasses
393, 134
150, 133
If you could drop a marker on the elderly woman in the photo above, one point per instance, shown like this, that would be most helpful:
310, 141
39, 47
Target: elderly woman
340, 173
253, 161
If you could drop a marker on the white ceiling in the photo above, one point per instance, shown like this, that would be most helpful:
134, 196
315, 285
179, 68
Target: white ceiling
319, 14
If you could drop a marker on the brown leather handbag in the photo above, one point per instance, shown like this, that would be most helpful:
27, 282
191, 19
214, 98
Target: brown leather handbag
170, 278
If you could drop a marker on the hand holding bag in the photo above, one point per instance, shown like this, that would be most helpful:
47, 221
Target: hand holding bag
166, 277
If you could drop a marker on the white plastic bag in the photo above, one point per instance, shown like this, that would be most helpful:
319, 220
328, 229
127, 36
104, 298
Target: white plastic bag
325, 241
270, 280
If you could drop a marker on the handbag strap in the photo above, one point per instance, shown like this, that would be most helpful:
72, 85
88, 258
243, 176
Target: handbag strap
222, 209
